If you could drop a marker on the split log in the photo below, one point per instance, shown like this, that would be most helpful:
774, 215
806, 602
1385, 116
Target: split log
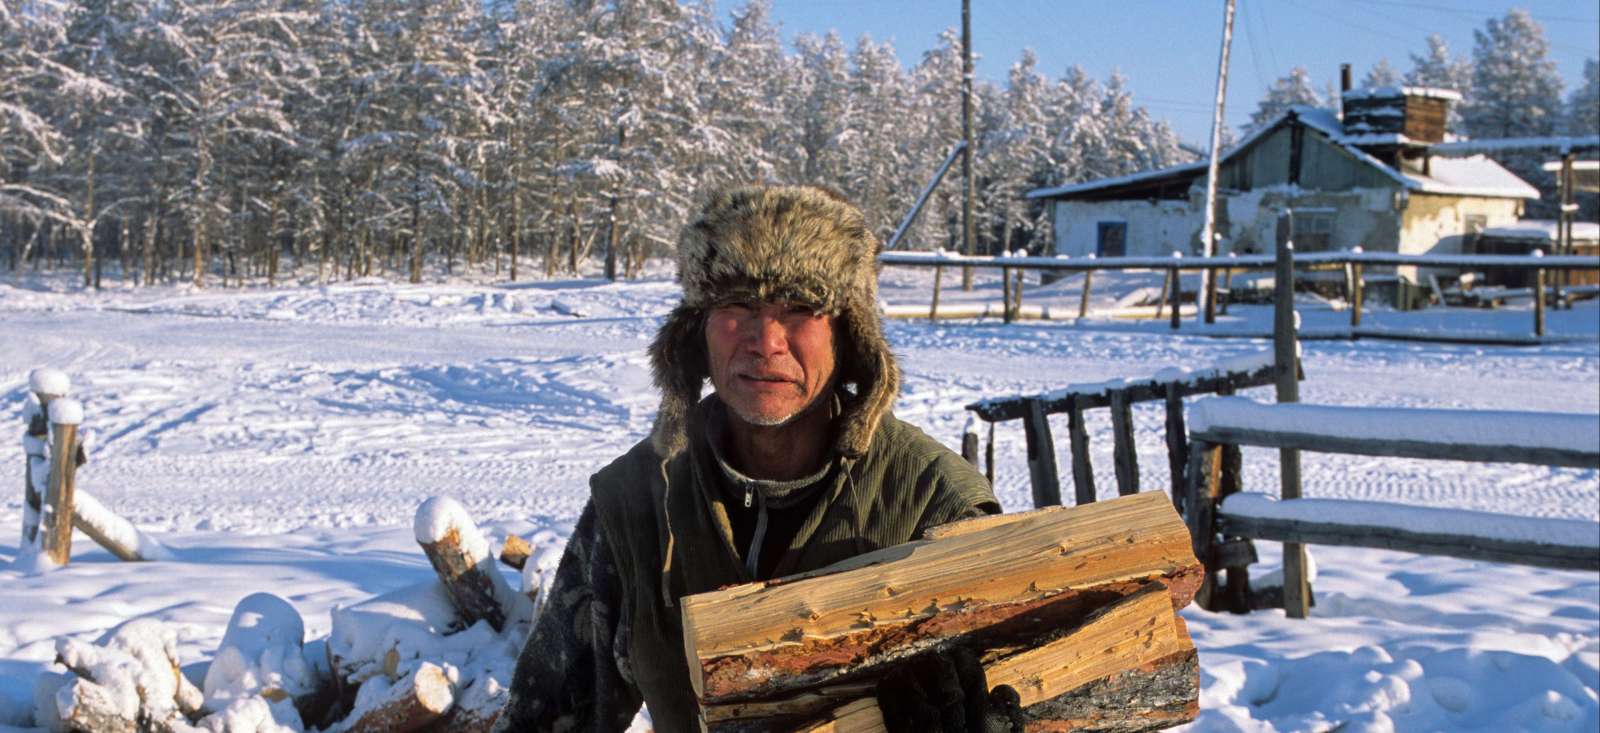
460, 555
411, 704
1130, 666
1000, 586
515, 551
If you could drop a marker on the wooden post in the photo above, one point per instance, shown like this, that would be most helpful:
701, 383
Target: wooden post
1124, 456
1016, 295
1296, 589
1005, 294
988, 456
969, 440
1082, 470
1177, 296
46, 385
1355, 294
933, 310
1538, 302
1083, 300
1227, 289
56, 522
1177, 443
1236, 587
1200, 514
1041, 457
1166, 287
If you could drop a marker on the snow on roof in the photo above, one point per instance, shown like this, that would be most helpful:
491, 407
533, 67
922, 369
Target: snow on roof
1198, 166
1577, 165
1471, 176
1505, 144
1474, 176
1404, 91
1543, 230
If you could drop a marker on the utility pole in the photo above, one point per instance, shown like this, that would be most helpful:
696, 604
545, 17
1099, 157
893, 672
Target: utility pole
968, 241
1208, 238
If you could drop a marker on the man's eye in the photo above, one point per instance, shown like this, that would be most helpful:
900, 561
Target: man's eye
802, 311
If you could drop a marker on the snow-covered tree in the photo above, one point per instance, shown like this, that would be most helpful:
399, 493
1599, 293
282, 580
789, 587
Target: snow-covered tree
1516, 91
1288, 91
1583, 106
1380, 75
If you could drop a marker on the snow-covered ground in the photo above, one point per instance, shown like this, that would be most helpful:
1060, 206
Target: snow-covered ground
281, 440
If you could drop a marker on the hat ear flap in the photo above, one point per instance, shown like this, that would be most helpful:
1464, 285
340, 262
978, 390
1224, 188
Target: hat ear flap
678, 368
872, 367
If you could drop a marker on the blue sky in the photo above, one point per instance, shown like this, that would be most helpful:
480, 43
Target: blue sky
1168, 49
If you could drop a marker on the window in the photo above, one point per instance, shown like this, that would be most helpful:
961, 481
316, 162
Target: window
1313, 231
1113, 239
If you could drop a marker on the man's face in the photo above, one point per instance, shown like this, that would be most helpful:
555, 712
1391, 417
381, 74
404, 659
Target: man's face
769, 361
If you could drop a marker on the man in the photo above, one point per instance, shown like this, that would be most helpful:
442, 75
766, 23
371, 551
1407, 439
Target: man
795, 462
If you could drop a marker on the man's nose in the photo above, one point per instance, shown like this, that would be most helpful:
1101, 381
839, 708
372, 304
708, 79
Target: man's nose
768, 335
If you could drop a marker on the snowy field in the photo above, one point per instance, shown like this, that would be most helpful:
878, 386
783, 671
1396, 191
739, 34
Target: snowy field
281, 440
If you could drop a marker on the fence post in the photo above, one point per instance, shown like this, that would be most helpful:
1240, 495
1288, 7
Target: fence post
1177, 295
1227, 286
1016, 294
46, 385
1082, 469
1177, 443
1355, 290
1041, 457
1083, 300
1125, 458
1005, 294
1296, 590
933, 310
65, 415
1538, 298
1166, 287
1200, 513
988, 456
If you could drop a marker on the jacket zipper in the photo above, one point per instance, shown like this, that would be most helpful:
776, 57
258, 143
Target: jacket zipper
752, 557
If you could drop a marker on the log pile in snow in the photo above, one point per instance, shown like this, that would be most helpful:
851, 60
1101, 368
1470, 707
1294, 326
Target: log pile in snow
1075, 608
426, 658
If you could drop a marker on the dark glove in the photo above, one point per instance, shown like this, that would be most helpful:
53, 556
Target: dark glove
947, 691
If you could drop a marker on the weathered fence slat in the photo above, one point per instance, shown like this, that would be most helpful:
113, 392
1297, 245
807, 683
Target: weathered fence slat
1177, 441
1398, 448
1296, 589
1082, 469
1041, 458
1124, 456
1427, 543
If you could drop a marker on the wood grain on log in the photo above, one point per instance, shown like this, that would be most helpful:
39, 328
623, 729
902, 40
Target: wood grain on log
1138, 640
1009, 582
515, 552
57, 519
411, 704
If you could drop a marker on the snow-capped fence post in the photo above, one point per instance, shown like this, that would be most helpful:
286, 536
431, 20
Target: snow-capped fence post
1083, 300
1285, 347
933, 309
1161, 300
46, 385
56, 519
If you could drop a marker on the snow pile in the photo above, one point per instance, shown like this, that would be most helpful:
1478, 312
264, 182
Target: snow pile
129, 674
261, 655
539, 571
66, 411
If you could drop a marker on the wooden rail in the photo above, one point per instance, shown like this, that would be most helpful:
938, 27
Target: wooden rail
1223, 527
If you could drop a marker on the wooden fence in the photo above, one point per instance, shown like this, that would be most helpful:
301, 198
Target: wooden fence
1352, 262
1224, 521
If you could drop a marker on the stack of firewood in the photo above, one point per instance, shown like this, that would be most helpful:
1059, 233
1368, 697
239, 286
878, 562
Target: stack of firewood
1075, 608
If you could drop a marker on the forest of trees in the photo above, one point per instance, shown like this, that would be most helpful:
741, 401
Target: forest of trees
219, 141
214, 140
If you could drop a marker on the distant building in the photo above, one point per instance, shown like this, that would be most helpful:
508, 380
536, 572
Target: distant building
1366, 180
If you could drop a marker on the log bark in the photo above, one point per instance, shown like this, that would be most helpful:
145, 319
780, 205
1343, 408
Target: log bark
412, 704
1004, 584
114, 533
467, 571
1130, 667
56, 521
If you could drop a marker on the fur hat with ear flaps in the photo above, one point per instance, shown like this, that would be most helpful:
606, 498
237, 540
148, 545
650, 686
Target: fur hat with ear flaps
795, 244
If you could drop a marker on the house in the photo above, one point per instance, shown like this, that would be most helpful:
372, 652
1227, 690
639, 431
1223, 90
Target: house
1365, 180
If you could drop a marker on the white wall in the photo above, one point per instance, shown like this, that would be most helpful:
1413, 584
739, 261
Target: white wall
1155, 228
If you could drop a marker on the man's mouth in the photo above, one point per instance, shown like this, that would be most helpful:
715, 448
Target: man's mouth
771, 378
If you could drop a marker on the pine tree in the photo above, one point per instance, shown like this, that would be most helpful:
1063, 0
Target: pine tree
1583, 106
1380, 75
1516, 91
1296, 89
